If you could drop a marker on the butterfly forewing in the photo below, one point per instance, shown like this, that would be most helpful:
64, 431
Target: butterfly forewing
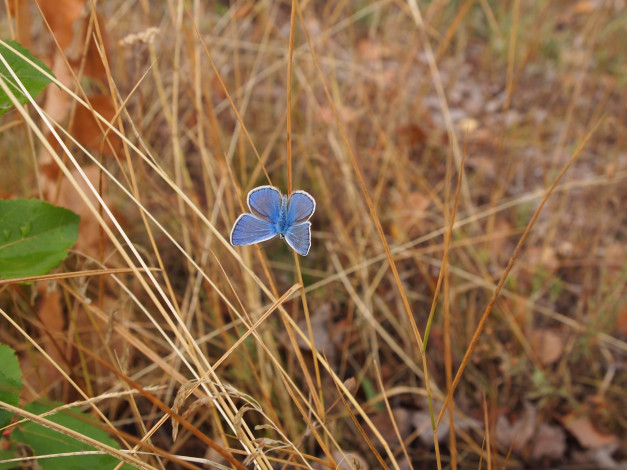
249, 229
300, 207
299, 238
265, 203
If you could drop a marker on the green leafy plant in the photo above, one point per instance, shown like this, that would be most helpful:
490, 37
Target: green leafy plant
41, 440
431, 135
10, 382
34, 237
33, 80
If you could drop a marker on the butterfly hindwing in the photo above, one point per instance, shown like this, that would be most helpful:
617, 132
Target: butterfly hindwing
265, 203
249, 229
299, 238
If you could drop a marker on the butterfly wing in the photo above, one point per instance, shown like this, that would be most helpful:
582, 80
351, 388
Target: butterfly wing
299, 238
300, 207
265, 203
249, 229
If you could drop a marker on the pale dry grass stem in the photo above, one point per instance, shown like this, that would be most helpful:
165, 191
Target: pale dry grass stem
467, 161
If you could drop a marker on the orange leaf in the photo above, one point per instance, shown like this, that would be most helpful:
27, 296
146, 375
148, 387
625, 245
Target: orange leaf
86, 129
61, 15
621, 321
584, 7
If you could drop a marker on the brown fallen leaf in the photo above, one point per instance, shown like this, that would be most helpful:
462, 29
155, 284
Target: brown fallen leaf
523, 432
90, 132
352, 460
518, 431
500, 243
586, 434
69, 23
615, 257
411, 135
383, 424
48, 307
599, 458
326, 335
548, 346
61, 16
411, 211
621, 321
421, 420
369, 50
584, 7
549, 443
89, 235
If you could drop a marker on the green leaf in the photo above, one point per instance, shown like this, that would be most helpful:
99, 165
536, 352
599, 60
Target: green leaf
10, 382
34, 237
44, 441
370, 392
34, 81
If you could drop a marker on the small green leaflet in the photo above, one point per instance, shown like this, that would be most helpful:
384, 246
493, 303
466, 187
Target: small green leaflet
10, 382
34, 237
34, 81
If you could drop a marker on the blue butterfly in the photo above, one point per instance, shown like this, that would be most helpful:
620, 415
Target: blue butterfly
274, 214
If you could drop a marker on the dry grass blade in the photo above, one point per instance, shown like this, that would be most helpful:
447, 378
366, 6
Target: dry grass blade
506, 271
462, 303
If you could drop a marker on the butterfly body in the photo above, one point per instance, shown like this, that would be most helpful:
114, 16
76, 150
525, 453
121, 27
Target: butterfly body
274, 214
282, 225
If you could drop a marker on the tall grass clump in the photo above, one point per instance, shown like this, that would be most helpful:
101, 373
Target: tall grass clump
463, 301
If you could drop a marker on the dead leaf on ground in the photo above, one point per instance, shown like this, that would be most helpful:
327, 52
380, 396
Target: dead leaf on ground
548, 346
417, 203
411, 135
48, 308
346, 114
585, 7
69, 23
549, 442
57, 326
586, 434
421, 420
615, 257
89, 235
621, 321
520, 310
600, 458
410, 212
383, 424
369, 50
498, 244
61, 15
325, 338
545, 257
352, 460
39, 372
86, 129
483, 165
518, 431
